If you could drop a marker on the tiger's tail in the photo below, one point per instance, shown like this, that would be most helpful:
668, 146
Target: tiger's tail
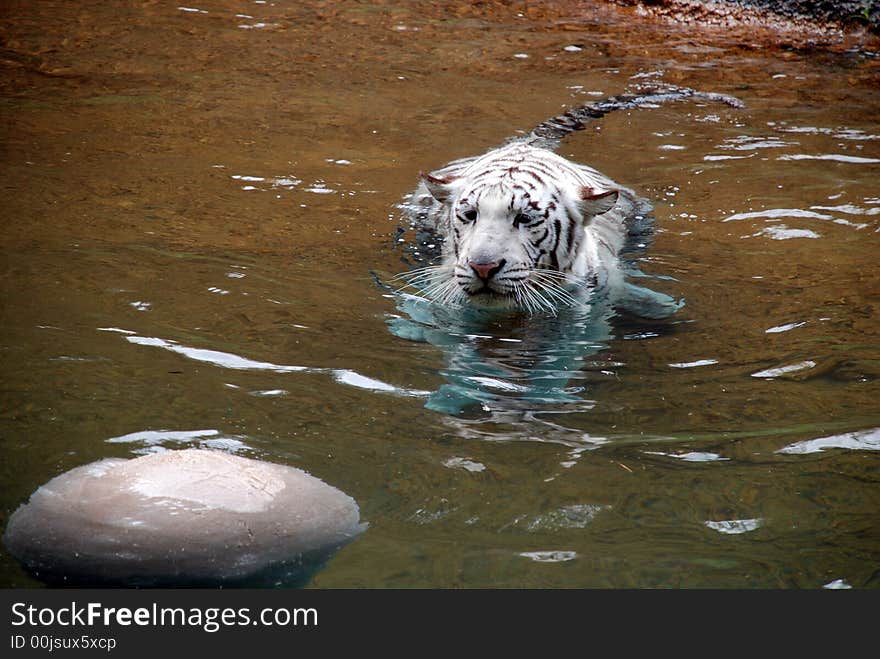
549, 133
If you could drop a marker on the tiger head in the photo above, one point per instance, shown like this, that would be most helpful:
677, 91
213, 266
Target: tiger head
517, 240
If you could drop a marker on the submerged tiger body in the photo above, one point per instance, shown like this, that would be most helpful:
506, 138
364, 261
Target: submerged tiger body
524, 228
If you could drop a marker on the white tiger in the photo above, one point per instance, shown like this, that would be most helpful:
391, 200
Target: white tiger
522, 227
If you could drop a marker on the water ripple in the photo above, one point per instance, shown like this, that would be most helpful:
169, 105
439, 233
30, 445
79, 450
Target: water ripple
863, 440
576, 516
784, 328
692, 456
851, 209
838, 133
464, 463
837, 157
694, 364
783, 232
549, 556
783, 370
837, 584
223, 359
735, 526
776, 213
152, 441
749, 143
236, 362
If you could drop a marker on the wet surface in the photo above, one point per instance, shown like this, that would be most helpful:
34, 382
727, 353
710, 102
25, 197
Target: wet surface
195, 198
798, 20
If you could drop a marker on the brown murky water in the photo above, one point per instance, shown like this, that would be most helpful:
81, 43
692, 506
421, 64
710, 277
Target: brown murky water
224, 177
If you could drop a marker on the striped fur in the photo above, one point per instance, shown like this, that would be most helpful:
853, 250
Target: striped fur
523, 227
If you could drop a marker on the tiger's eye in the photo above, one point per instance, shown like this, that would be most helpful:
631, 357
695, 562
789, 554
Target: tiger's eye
469, 216
520, 219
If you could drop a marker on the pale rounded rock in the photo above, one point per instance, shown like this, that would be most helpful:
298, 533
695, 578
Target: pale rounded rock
178, 518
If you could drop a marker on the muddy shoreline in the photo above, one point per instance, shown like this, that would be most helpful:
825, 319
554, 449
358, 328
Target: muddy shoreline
845, 14
828, 24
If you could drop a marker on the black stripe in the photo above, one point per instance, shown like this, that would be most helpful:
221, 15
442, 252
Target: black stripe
536, 166
537, 176
570, 238
553, 258
537, 259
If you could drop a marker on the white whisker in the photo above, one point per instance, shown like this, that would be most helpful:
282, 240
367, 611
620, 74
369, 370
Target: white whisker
430, 283
538, 290
555, 292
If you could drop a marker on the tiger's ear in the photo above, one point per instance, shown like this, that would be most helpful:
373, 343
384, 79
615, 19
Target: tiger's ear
595, 202
439, 188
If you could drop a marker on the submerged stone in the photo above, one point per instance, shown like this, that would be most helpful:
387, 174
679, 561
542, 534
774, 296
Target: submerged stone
181, 518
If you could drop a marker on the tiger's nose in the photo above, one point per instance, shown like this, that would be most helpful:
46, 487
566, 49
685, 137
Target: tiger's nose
486, 269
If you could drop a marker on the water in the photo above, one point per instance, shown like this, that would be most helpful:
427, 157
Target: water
193, 211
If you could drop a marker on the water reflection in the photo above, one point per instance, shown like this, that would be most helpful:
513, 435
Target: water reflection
576, 516
156, 441
514, 425
237, 362
502, 362
865, 440
784, 370
550, 556
777, 213
735, 526
837, 584
835, 157
691, 456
